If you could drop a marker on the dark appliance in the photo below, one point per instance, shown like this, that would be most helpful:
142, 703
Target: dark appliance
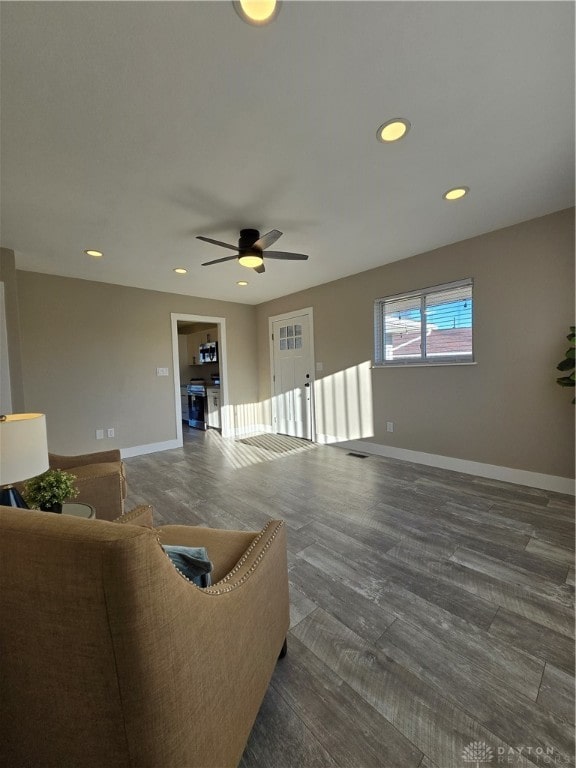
197, 416
208, 353
185, 402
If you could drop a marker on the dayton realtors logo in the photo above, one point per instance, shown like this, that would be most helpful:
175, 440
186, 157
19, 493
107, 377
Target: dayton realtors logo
478, 753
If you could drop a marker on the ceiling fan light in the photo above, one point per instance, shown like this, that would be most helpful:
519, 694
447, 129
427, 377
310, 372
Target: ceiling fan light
250, 260
257, 12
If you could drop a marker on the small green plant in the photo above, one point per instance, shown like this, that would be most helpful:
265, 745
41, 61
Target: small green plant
49, 490
569, 362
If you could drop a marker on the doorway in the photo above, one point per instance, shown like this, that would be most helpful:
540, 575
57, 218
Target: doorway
191, 336
292, 368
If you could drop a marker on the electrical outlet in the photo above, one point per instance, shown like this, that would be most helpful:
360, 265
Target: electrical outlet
319, 367
161, 371
99, 434
389, 426
110, 432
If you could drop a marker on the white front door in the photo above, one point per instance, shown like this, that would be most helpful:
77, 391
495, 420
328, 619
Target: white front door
292, 375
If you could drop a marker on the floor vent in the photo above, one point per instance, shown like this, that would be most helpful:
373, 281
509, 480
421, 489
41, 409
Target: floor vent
358, 455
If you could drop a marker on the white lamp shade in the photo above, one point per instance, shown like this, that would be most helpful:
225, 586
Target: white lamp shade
23, 447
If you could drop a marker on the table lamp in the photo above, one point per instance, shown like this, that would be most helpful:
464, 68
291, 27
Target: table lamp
23, 453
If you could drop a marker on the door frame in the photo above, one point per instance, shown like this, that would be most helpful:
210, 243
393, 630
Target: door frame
309, 312
223, 363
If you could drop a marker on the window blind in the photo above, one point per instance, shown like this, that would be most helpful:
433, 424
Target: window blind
432, 325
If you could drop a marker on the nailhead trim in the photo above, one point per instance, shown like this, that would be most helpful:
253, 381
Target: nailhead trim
136, 512
239, 564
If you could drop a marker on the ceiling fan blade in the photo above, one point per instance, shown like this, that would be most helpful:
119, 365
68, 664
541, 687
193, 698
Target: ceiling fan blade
268, 239
217, 242
284, 255
259, 269
219, 261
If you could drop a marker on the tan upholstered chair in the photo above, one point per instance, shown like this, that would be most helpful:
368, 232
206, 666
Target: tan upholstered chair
100, 478
112, 659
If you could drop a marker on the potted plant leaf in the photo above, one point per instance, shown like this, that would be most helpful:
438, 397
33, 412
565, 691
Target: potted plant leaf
50, 490
569, 361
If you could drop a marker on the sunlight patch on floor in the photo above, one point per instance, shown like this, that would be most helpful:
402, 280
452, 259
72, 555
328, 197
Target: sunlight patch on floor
257, 449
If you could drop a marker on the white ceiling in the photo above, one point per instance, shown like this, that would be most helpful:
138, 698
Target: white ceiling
131, 127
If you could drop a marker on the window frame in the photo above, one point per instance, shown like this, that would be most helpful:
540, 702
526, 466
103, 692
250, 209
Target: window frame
422, 294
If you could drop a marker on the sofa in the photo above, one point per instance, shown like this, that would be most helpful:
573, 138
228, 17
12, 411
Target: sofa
100, 479
111, 657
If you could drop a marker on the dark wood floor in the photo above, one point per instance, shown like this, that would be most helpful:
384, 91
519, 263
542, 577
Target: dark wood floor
432, 612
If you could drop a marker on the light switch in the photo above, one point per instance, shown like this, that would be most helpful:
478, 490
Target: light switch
161, 371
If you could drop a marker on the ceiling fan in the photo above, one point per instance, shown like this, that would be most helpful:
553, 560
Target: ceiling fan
251, 249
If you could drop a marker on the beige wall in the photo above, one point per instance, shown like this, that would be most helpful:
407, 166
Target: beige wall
506, 409
90, 352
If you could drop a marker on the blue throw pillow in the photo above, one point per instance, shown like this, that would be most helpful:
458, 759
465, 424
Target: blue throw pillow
192, 562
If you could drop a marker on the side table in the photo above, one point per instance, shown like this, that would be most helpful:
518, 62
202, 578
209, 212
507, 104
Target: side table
78, 509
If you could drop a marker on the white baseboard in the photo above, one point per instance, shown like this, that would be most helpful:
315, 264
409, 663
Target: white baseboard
247, 431
490, 471
140, 450
167, 445
329, 439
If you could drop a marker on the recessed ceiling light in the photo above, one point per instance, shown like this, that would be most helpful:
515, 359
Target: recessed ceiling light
180, 270
250, 260
456, 193
242, 282
392, 130
257, 12
96, 254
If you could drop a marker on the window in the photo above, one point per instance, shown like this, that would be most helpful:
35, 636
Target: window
430, 326
291, 337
